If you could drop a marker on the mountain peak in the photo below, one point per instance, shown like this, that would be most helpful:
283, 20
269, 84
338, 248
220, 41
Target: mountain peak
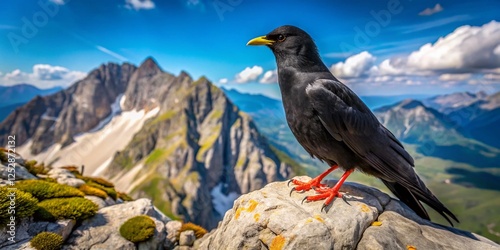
149, 67
410, 104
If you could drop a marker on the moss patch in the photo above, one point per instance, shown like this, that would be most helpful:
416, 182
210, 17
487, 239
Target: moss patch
199, 231
47, 241
101, 181
138, 229
89, 190
25, 205
75, 208
111, 192
124, 196
35, 168
43, 190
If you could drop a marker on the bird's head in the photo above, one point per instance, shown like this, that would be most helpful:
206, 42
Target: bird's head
289, 43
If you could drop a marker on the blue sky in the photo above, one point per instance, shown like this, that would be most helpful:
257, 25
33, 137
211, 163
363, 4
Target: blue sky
376, 47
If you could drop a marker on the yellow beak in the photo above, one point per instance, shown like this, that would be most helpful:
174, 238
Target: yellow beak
261, 40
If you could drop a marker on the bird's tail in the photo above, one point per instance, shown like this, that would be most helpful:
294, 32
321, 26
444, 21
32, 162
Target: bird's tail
412, 197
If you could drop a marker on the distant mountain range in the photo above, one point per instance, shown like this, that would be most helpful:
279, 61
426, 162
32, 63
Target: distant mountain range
14, 96
173, 139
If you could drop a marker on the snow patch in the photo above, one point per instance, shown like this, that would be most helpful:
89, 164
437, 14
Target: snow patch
222, 202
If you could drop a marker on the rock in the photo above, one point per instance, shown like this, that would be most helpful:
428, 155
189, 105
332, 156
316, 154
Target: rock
98, 201
27, 229
173, 228
187, 238
271, 218
74, 182
21, 173
102, 230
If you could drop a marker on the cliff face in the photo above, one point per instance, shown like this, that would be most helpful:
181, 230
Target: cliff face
271, 219
197, 153
170, 138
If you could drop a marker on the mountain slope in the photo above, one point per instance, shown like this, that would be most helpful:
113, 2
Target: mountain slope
178, 141
435, 134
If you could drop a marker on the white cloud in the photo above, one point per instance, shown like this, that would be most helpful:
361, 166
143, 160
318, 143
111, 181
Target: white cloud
140, 4
249, 74
223, 80
431, 11
271, 76
455, 77
468, 49
43, 76
492, 77
58, 2
354, 66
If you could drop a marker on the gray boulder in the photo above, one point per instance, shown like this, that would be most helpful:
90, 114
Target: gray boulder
103, 230
270, 218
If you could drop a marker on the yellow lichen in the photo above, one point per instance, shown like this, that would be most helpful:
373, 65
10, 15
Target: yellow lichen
317, 217
377, 223
256, 217
309, 220
253, 205
365, 208
410, 247
238, 212
277, 243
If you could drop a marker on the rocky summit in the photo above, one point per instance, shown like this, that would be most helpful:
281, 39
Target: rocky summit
270, 218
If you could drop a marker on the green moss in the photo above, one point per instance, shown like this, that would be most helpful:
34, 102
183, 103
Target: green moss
124, 196
47, 241
109, 191
35, 168
89, 190
25, 205
75, 208
200, 80
138, 229
98, 180
297, 168
46, 190
199, 231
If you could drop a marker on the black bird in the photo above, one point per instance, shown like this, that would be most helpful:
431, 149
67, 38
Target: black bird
332, 124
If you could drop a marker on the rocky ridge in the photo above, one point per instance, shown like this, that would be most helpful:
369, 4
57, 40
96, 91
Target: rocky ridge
270, 218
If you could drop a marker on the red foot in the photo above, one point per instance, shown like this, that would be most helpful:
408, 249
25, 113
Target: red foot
314, 183
329, 194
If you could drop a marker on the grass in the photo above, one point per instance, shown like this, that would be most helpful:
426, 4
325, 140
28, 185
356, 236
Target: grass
207, 142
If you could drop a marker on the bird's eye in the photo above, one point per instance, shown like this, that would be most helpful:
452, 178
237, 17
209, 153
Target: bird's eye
281, 38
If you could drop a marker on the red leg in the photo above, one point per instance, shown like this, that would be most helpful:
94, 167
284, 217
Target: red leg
330, 193
316, 182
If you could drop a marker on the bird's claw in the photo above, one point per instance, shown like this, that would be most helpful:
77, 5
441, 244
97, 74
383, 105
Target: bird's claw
324, 207
291, 191
345, 199
305, 198
288, 183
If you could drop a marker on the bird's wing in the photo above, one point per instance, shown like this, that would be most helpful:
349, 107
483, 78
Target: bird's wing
346, 117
